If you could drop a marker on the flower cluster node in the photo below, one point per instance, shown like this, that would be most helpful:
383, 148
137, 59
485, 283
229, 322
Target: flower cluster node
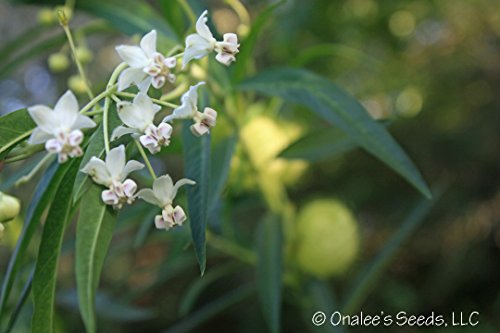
227, 49
119, 193
66, 144
156, 137
170, 217
204, 121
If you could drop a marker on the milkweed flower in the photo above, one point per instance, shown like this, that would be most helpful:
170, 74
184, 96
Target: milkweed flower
162, 195
189, 109
201, 43
60, 128
147, 66
138, 117
112, 173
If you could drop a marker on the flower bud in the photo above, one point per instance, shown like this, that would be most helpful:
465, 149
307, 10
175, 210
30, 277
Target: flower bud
58, 62
77, 84
9, 207
84, 55
46, 17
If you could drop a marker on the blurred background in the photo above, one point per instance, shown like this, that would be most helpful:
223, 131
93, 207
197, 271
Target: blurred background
430, 69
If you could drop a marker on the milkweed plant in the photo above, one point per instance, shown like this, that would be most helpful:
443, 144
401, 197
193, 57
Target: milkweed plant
95, 156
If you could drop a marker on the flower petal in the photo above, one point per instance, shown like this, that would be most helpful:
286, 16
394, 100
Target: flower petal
115, 162
121, 131
83, 122
66, 110
146, 106
134, 56
132, 116
97, 170
131, 166
44, 118
148, 43
202, 28
163, 188
130, 76
39, 136
182, 182
144, 84
148, 195
196, 48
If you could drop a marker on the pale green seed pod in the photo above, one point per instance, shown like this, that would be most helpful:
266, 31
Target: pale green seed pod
58, 62
9, 207
46, 17
84, 55
77, 84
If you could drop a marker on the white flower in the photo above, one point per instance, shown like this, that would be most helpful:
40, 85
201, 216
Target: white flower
227, 49
147, 66
139, 116
163, 195
189, 109
60, 128
113, 173
203, 42
204, 121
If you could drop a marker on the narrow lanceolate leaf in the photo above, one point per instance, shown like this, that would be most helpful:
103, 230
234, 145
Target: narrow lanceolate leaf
40, 201
93, 236
320, 145
369, 277
220, 166
270, 270
340, 109
44, 279
131, 17
14, 128
197, 168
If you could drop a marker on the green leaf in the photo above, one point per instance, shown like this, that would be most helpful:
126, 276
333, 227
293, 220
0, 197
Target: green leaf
131, 17
251, 40
270, 270
339, 109
220, 166
107, 307
197, 168
44, 279
41, 199
14, 128
367, 279
20, 302
211, 309
93, 236
197, 287
319, 145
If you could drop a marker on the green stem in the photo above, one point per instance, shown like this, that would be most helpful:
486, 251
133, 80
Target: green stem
157, 101
105, 112
230, 248
95, 100
65, 26
173, 50
33, 172
109, 87
145, 158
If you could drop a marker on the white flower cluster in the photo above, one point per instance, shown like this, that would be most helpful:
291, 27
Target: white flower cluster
60, 129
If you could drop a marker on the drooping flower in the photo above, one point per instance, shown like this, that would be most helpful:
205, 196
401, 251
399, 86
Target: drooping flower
201, 43
189, 109
60, 128
112, 173
139, 116
147, 66
163, 195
